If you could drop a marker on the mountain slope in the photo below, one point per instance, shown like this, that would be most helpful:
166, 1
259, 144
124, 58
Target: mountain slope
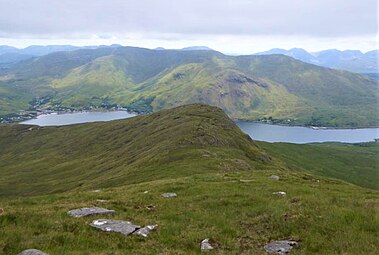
221, 178
246, 87
52, 159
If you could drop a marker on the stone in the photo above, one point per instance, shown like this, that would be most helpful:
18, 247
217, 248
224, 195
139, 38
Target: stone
145, 192
102, 201
280, 193
82, 212
119, 226
247, 180
32, 252
275, 177
150, 207
169, 195
205, 246
1, 211
145, 230
280, 247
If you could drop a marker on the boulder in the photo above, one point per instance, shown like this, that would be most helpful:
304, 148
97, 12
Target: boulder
119, 226
145, 230
280, 247
205, 246
82, 212
169, 195
32, 252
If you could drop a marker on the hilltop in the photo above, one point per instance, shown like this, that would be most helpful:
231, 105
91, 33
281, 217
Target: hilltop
221, 178
272, 88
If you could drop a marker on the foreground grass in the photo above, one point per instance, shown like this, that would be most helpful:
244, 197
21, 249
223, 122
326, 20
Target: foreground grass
326, 217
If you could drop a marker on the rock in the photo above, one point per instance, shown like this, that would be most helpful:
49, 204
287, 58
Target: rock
275, 177
97, 190
280, 193
145, 192
1, 211
205, 246
169, 195
82, 212
119, 226
246, 180
102, 201
280, 247
150, 207
32, 252
145, 230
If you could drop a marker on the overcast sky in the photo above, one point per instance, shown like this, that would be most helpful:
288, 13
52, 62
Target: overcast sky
231, 26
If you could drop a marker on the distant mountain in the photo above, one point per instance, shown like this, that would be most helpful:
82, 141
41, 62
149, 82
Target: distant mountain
274, 87
350, 60
197, 48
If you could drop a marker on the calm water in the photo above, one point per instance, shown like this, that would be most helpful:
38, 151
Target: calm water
257, 131
78, 117
273, 133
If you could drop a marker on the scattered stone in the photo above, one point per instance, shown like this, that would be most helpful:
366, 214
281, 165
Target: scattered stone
1, 211
82, 212
247, 180
280, 193
280, 247
145, 230
275, 177
169, 195
32, 252
145, 192
119, 226
150, 207
205, 246
102, 201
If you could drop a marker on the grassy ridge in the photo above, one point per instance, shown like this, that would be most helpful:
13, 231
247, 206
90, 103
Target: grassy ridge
197, 152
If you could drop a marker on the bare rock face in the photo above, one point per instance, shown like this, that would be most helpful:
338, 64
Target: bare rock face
119, 226
280, 247
82, 212
169, 195
32, 252
145, 231
205, 246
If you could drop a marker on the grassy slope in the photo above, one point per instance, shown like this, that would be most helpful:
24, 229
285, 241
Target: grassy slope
246, 87
195, 151
355, 163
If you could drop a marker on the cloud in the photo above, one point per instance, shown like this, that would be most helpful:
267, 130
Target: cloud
171, 19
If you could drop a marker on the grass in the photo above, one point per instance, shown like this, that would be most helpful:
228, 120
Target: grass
195, 151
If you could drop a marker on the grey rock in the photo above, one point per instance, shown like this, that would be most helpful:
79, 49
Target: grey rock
82, 212
32, 252
169, 195
275, 177
119, 226
145, 230
205, 246
280, 247
280, 193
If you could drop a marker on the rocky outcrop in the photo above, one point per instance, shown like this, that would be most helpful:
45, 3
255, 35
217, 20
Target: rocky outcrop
32, 252
82, 212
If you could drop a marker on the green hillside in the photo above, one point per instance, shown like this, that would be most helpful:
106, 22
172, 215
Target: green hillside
221, 178
245, 87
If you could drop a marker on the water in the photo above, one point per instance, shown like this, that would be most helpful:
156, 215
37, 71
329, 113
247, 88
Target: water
273, 133
257, 131
78, 117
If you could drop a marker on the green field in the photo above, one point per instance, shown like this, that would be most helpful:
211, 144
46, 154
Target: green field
199, 153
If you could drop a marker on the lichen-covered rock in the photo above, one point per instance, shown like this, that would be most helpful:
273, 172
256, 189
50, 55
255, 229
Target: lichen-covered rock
32, 252
82, 212
119, 226
280, 247
205, 246
145, 230
275, 177
169, 195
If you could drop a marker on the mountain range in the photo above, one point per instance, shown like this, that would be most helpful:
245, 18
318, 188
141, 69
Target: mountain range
350, 60
255, 87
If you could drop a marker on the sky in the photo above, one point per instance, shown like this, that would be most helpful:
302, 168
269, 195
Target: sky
229, 26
